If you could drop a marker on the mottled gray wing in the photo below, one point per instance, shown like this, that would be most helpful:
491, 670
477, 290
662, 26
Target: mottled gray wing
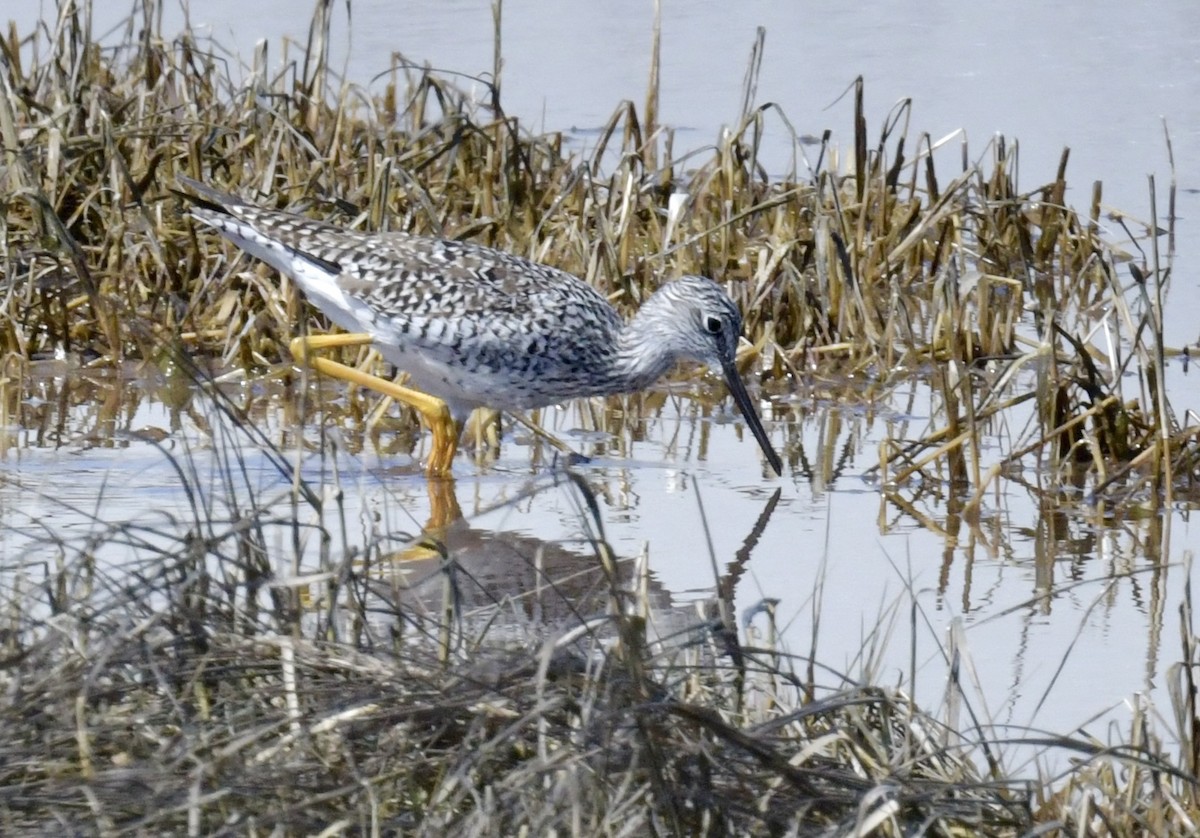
463, 303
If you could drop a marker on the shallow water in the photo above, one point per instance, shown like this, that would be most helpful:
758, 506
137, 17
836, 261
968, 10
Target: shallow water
1065, 614
1042, 600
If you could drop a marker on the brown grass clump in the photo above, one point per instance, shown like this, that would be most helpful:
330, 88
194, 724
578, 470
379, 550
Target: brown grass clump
877, 265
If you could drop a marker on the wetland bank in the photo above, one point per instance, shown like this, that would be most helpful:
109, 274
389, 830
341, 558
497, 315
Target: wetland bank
220, 612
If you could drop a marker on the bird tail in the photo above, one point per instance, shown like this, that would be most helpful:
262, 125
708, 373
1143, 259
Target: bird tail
206, 197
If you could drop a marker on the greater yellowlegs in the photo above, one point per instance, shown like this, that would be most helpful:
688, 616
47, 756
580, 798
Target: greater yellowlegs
475, 327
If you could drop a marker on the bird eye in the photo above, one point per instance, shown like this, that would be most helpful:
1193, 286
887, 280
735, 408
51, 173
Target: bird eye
712, 325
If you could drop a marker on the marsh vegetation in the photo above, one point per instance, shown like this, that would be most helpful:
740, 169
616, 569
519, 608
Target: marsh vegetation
196, 688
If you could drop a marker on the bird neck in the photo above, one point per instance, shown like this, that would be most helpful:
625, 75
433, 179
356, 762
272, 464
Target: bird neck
645, 349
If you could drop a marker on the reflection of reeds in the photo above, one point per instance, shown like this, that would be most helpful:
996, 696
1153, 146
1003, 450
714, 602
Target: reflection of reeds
192, 685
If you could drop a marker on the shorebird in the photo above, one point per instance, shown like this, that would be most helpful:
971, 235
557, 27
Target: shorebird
476, 327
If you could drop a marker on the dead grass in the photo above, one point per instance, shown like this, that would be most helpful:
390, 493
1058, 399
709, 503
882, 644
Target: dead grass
195, 691
873, 263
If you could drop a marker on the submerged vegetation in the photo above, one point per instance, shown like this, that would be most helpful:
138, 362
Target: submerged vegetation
212, 695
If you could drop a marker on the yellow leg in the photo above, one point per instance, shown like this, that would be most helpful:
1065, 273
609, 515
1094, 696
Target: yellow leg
437, 415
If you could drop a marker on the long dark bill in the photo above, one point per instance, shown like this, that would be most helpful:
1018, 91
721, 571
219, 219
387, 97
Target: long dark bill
742, 398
